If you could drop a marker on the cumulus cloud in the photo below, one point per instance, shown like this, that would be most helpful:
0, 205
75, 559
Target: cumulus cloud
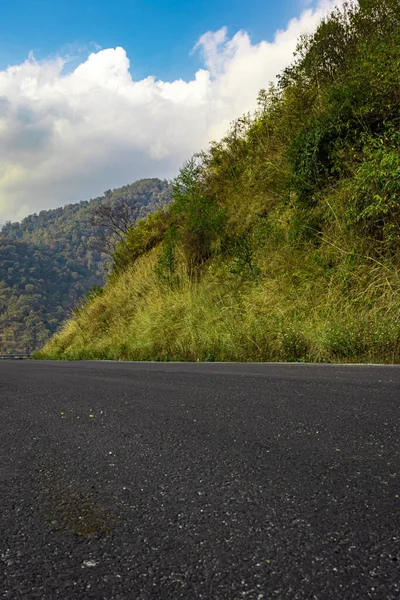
67, 136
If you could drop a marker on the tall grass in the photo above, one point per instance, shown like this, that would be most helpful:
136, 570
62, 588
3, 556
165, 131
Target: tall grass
294, 310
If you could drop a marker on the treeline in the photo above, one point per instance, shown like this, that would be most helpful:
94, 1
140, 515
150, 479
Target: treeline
50, 260
282, 241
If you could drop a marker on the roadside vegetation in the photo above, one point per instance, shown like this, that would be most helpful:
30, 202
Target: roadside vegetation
282, 241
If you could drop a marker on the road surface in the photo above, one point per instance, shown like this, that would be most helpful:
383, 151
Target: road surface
215, 481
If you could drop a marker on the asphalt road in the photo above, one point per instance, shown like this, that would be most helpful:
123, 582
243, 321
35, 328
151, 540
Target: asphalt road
147, 481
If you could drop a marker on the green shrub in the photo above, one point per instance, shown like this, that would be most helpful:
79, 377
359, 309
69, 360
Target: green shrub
166, 264
374, 190
200, 222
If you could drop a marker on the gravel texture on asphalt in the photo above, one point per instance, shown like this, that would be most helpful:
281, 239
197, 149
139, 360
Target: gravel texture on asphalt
215, 481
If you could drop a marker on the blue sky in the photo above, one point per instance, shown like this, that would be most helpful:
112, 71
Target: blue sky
112, 91
157, 35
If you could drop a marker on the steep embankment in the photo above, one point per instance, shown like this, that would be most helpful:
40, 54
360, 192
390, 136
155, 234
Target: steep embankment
283, 239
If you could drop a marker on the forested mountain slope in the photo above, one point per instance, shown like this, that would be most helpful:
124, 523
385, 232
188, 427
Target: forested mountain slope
49, 260
283, 240
37, 290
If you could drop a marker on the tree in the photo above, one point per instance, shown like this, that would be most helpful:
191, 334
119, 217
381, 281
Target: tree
112, 222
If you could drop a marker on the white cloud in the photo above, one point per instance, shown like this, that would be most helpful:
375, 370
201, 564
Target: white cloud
68, 136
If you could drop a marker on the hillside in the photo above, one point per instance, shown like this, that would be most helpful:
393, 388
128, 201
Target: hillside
282, 241
49, 261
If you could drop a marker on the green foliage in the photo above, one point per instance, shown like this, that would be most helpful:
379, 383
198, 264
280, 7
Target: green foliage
323, 55
374, 189
166, 264
240, 249
353, 79
200, 222
311, 158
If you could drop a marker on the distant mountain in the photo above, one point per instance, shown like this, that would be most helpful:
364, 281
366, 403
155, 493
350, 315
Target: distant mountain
48, 261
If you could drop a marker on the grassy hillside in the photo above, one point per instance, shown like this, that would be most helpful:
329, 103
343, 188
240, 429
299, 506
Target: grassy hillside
49, 261
283, 240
